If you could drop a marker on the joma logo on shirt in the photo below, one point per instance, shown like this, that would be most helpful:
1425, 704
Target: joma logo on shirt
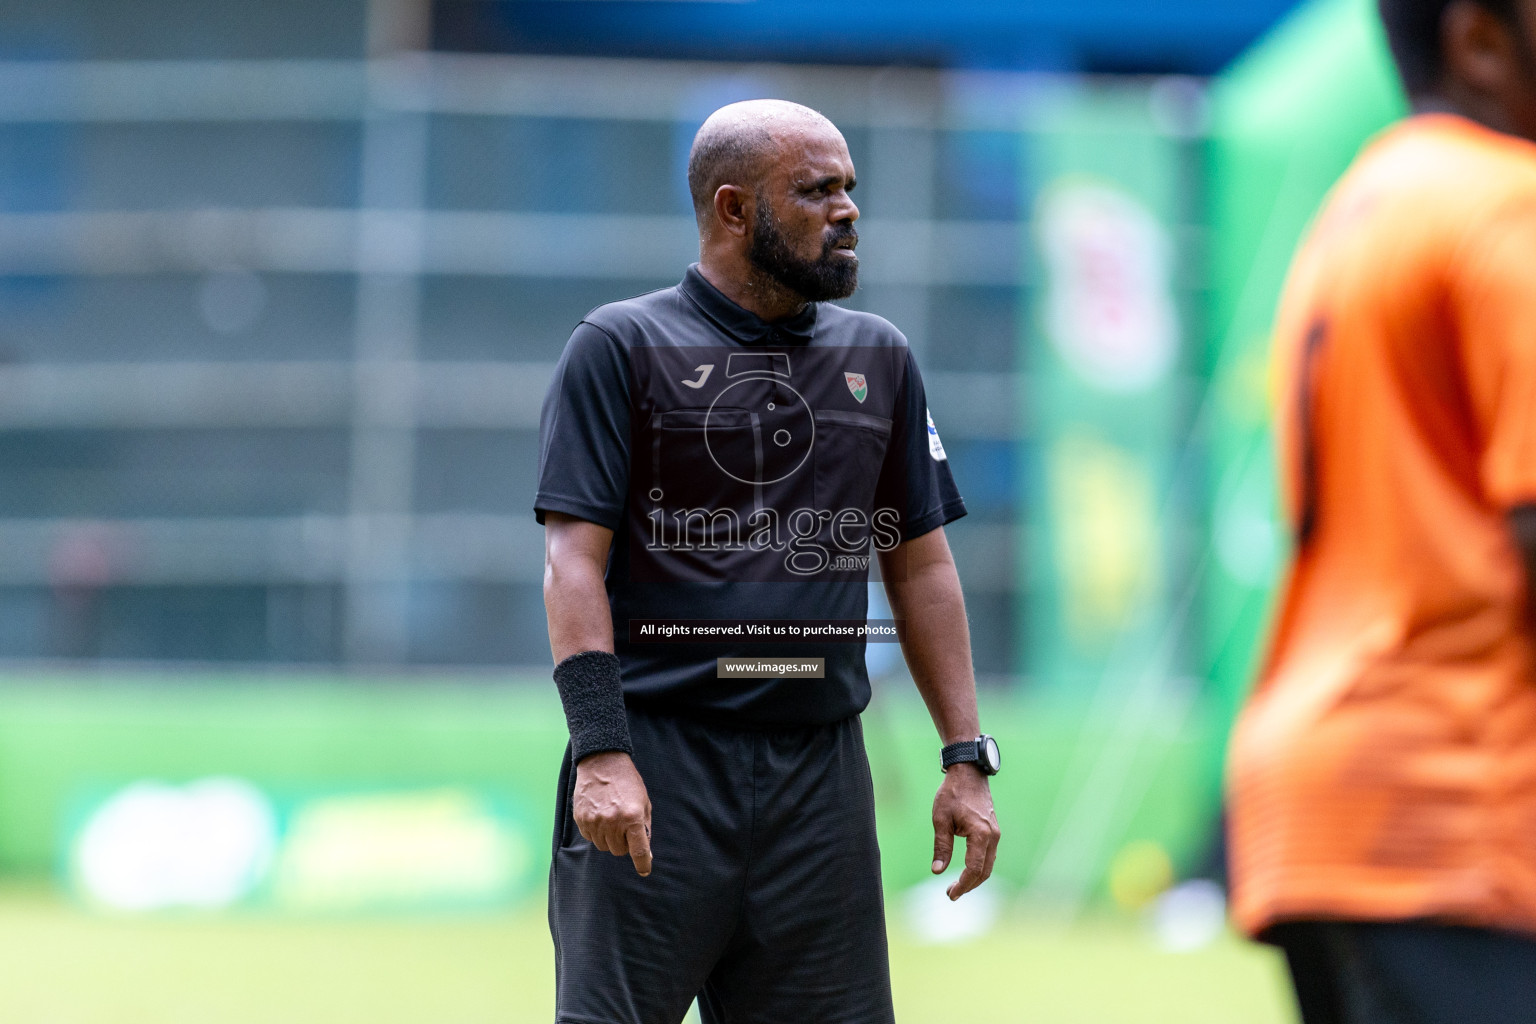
851, 530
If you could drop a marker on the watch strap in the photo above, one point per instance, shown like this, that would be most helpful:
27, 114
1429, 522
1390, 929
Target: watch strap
959, 753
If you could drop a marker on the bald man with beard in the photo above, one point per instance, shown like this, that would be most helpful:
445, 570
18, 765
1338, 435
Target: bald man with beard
719, 461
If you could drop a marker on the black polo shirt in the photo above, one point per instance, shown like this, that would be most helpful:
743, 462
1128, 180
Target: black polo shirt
749, 472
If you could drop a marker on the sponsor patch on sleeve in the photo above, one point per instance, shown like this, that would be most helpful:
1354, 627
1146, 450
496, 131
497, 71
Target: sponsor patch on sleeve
935, 446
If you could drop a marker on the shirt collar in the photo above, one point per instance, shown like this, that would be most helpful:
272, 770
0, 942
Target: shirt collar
742, 324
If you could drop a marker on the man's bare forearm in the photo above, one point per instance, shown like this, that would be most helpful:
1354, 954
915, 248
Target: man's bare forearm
609, 802
575, 598
577, 605
925, 596
924, 589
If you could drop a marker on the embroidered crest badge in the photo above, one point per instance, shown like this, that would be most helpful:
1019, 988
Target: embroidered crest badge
857, 385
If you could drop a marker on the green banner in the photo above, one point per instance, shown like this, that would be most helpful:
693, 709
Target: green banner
1103, 348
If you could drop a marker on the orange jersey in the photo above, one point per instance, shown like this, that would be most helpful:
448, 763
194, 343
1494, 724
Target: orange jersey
1385, 766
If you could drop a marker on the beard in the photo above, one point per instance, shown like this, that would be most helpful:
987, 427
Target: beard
814, 280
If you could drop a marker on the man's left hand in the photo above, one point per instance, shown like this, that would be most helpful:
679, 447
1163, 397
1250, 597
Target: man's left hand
963, 807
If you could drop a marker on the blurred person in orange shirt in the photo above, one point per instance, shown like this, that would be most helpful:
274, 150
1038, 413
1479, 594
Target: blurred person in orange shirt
1383, 775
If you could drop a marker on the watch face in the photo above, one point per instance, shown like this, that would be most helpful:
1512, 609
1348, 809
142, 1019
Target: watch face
990, 755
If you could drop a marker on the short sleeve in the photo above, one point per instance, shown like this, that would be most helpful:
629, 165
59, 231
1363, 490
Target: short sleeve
915, 476
584, 431
1495, 307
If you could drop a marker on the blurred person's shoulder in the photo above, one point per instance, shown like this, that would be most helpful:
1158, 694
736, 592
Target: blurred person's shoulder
1438, 178
1397, 228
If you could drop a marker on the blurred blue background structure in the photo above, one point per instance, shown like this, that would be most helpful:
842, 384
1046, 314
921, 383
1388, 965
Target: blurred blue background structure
282, 286
1101, 36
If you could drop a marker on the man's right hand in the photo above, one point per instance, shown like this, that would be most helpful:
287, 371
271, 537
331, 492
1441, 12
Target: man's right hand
612, 808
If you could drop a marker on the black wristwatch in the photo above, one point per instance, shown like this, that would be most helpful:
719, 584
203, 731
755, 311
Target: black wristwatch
982, 750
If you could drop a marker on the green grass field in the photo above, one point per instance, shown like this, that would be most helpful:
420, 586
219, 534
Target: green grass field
62, 965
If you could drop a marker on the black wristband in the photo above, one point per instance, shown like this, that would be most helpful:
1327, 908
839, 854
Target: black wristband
594, 703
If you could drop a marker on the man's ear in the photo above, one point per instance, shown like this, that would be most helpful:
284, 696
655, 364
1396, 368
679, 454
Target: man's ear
733, 209
1479, 47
